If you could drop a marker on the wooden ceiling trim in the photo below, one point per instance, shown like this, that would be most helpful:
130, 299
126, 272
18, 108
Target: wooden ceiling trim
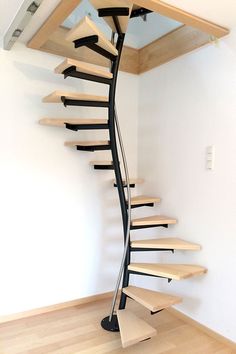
51, 38
184, 17
172, 45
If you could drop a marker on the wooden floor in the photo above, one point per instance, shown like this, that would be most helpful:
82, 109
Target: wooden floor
77, 330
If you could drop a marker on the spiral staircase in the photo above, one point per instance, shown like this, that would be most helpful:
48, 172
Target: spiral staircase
132, 329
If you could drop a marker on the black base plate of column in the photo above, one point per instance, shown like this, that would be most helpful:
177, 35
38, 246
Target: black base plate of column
111, 326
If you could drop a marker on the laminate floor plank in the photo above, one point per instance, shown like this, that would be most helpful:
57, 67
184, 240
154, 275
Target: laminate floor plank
77, 330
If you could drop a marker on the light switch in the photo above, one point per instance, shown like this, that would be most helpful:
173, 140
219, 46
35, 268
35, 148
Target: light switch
210, 157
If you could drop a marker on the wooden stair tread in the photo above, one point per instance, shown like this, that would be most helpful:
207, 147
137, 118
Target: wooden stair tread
153, 220
82, 67
133, 329
86, 28
60, 122
166, 243
86, 143
171, 271
132, 181
55, 97
153, 300
101, 163
143, 199
123, 20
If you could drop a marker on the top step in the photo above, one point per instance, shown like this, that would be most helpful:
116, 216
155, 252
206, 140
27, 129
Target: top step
87, 28
83, 67
116, 4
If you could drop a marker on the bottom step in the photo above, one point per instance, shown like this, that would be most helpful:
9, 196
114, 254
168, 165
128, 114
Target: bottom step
133, 329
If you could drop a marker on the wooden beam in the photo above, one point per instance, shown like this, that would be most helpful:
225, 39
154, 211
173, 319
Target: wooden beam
57, 17
174, 44
58, 45
184, 17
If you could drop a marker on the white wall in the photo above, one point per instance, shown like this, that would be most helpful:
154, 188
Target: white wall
60, 223
185, 106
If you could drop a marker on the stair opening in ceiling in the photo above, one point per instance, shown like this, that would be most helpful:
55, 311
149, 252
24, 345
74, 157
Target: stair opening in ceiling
139, 33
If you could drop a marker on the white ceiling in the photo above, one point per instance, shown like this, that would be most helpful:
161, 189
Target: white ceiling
8, 9
222, 13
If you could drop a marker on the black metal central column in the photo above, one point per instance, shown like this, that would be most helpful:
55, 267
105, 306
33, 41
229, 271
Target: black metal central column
111, 324
119, 180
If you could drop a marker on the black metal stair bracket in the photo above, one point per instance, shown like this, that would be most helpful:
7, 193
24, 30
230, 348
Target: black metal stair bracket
148, 275
93, 148
73, 72
140, 12
125, 186
139, 249
83, 103
155, 312
91, 43
142, 205
114, 12
148, 226
104, 167
76, 127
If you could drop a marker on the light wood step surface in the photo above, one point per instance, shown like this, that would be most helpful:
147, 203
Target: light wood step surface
153, 220
171, 271
60, 122
87, 27
166, 243
153, 300
55, 97
132, 181
123, 20
86, 143
143, 199
82, 67
133, 329
101, 163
